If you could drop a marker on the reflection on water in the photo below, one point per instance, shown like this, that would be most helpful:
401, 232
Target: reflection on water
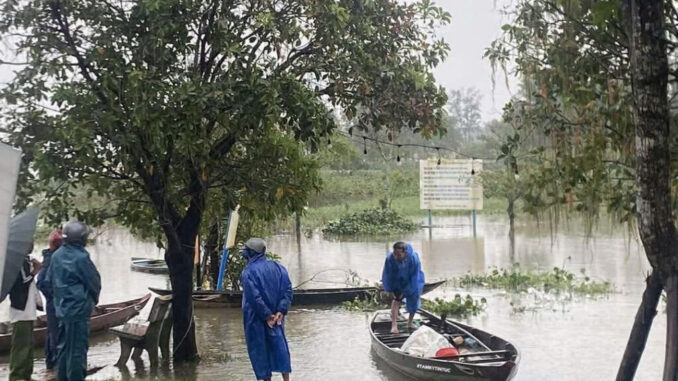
583, 342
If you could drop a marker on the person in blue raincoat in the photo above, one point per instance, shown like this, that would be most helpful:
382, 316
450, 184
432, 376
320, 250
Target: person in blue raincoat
75, 285
402, 278
267, 296
54, 241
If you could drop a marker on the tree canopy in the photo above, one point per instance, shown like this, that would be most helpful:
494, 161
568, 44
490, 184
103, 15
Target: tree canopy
157, 105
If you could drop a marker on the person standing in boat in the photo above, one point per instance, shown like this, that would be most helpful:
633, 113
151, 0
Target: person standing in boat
402, 278
75, 285
54, 242
267, 296
24, 301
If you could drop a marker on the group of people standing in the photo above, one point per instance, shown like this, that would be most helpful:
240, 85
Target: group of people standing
71, 285
267, 296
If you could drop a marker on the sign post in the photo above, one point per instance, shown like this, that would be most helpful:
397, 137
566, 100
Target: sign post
229, 242
450, 185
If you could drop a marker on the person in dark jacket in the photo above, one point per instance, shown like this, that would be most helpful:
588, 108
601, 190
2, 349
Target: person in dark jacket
24, 300
267, 296
54, 242
75, 285
403, 279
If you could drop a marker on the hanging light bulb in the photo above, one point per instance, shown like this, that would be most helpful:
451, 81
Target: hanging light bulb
473, 171
398, 156
364, 145
329, 142
438, 149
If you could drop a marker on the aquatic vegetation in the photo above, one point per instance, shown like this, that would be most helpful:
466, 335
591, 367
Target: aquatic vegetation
371, 221
458, 307
373, 302
516, 279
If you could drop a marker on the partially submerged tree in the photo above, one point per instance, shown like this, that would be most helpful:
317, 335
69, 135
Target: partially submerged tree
598, 73
155, 104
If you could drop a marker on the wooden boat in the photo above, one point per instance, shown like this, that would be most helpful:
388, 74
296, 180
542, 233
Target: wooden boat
219, 299
147, 265
103, 317
494, 359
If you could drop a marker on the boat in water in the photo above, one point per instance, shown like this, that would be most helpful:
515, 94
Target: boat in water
148, 265
103, 317
311, 296
489, 358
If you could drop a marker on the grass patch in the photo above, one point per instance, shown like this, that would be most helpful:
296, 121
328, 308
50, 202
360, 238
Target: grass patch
458, 307
516, 279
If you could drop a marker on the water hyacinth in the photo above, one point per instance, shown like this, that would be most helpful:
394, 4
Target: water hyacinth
458, 307
374, 221
516, 279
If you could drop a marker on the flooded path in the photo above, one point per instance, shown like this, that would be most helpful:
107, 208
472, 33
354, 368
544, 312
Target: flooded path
581, 340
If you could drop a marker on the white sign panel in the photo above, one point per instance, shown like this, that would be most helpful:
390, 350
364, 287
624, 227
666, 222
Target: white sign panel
10, 160
450, 185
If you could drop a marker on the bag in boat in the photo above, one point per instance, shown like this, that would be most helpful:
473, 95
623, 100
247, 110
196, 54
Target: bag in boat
425, 342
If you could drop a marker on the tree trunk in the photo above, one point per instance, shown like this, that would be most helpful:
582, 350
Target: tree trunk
644, 23
671, 359
510, 210
297, 227
180, 263
641, 328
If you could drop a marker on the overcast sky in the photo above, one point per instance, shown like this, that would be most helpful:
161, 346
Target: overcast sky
475, 24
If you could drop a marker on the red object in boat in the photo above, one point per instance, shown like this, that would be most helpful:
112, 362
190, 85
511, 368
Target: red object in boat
447, 352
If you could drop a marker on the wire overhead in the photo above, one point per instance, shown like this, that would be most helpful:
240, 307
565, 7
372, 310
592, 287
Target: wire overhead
399, 145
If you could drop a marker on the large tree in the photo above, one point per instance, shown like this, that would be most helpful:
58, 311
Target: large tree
153, 104
597, 75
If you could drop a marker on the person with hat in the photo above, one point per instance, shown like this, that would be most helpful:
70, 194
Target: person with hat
402, 278
267, 296
75, 284
54, 242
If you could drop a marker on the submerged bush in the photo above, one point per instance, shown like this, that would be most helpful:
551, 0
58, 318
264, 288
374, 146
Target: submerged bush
458, 307
371, 221
517, 280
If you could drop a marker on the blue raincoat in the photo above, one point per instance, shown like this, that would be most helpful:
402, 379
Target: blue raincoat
266, 290
75, 285
404, 278
52, 320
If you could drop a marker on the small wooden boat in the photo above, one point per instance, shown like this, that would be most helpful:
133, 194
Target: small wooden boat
103, 317
494, 359
147, 265
312, 296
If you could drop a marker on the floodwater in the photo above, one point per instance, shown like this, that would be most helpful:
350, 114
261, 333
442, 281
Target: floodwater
582, 339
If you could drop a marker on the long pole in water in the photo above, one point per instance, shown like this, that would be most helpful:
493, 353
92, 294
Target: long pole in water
474, 222
224, 256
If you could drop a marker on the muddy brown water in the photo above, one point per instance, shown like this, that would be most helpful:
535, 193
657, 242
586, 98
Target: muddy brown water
579, 339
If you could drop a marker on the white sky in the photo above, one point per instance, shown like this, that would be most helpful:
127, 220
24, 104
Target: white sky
475, 24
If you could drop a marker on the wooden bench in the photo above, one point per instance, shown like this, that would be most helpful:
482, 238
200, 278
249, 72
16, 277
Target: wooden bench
149, 335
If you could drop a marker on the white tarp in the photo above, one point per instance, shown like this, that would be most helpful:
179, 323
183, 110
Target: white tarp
451, 184
10, 160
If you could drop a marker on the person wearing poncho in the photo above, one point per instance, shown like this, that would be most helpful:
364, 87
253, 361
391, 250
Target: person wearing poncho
402, 278
267, 296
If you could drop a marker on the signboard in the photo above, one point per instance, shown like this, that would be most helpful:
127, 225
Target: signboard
10, 160
232, 228
450, 185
